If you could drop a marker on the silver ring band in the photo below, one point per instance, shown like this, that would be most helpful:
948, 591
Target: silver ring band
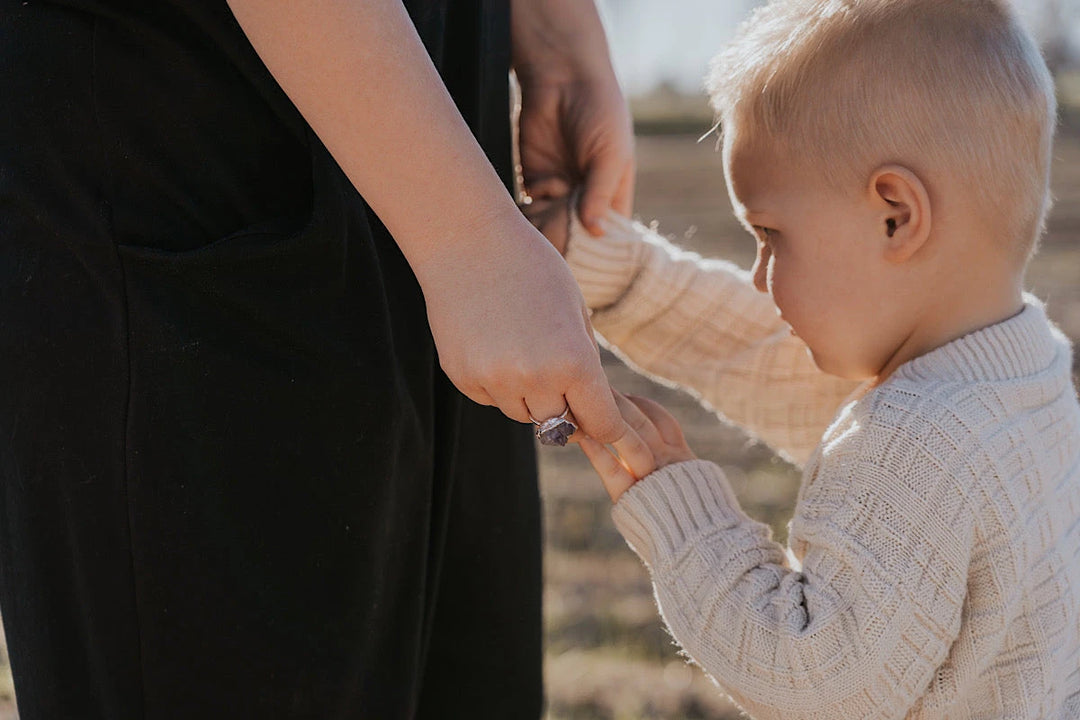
555, 431
560, 416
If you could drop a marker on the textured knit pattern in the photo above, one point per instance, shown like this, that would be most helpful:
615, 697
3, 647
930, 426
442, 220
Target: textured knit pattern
934, 565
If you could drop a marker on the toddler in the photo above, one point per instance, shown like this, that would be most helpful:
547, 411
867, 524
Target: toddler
891, 159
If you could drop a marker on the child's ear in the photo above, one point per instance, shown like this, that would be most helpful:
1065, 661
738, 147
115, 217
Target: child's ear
903, 205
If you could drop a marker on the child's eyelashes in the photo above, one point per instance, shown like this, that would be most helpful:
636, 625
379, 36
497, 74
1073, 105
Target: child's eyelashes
764, 234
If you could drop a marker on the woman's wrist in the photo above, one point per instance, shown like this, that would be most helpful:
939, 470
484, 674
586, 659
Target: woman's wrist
559, 42
494, 236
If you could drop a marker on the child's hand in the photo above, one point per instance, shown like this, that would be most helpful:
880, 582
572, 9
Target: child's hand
656, 427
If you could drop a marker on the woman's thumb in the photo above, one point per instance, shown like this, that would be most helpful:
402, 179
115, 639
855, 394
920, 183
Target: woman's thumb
605, 188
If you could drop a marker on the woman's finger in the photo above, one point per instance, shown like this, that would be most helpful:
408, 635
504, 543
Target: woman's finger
558, 433
603, 182
479, 395
628, 444
594, 408
616, 478
511, 406
541, 410
623, 202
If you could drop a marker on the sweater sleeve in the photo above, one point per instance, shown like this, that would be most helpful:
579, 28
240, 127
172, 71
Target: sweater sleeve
701, 324
858, 632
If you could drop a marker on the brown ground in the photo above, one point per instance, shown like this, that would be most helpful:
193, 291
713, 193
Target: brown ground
608, 657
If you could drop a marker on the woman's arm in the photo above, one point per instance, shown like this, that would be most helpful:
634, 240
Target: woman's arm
507, 318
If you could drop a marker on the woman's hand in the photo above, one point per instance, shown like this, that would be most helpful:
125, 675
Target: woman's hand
543, 359
509, 322
658, 430
574, 128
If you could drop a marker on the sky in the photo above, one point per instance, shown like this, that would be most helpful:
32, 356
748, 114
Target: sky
658, 41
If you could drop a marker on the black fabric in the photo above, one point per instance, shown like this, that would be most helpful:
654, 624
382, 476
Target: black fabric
233, 480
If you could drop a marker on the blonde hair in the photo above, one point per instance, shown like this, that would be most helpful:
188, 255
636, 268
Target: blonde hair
940, 86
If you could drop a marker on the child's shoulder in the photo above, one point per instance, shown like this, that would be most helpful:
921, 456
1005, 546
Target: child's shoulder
947, 423
913, 411
967, 392
956, 408
929, 438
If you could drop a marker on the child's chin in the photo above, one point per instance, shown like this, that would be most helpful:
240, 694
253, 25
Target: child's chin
833, 366
823, 363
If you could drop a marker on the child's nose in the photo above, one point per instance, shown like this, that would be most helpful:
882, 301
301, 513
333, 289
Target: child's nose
761, 267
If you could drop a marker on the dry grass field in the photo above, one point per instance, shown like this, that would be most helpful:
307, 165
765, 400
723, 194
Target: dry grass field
608, 657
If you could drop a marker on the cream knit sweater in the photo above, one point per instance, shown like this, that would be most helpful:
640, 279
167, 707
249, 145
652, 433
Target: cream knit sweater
934, 569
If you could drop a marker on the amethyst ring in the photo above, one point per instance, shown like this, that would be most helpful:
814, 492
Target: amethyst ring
555, 431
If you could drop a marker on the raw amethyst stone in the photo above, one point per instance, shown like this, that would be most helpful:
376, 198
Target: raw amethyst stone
555, 431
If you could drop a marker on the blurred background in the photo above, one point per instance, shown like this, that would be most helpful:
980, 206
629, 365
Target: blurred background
658, 44
608, 656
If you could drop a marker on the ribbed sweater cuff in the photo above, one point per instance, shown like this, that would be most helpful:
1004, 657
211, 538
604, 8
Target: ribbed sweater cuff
669, 509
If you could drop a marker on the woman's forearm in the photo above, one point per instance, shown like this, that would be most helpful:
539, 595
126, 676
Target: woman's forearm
360, 75
558, 39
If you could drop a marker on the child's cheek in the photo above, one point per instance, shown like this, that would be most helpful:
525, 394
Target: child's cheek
779, 291
790, 303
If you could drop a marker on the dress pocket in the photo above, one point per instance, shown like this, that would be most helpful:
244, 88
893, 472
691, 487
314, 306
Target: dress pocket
274, 290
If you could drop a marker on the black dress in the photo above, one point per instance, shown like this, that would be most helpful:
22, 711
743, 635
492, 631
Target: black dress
234, 482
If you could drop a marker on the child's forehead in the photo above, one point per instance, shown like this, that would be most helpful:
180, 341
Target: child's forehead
745, 147
755, 168
767, 188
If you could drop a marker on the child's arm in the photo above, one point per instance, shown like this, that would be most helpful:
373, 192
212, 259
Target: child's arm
860, 630
701, 324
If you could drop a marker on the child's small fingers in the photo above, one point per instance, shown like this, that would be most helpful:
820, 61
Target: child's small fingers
641, 423
664, 422
635, 453
616, 478
636, 446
